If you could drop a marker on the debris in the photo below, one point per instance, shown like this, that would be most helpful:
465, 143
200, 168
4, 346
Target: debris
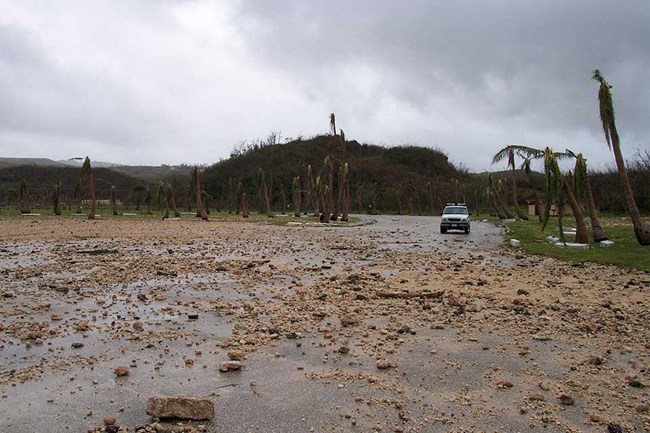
181, 407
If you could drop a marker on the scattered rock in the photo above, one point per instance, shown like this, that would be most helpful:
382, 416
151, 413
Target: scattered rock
566, 400
227, 366
121, 371
182, 407
383, 364
109, 420
236, 355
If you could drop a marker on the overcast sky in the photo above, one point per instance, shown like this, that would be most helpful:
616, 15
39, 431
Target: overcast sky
153, 82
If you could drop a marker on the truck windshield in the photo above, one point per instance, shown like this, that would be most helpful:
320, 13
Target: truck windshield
455, 211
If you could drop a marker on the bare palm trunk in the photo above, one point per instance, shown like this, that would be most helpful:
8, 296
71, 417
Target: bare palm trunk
501, 204
200, 212
641, 227
244, 205
497, 208
581, 227
538, 209
596, 229
93, 202
515, 198
171, 199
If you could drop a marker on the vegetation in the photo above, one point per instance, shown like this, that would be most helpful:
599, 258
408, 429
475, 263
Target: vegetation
625, 252
607, 117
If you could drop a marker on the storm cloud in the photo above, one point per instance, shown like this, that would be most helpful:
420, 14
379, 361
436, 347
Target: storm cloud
153, 82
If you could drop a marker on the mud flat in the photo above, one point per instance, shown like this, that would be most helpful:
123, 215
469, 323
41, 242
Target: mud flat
387, 327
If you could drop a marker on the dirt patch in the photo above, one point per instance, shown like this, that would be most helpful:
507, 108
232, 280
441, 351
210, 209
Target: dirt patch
508, 342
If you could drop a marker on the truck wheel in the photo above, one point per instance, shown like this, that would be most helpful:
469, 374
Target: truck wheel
467, 231
443, 230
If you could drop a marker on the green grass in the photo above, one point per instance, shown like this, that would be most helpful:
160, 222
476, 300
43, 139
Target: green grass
625, 252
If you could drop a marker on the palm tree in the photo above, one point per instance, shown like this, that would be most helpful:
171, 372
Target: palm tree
264, 192
559, 188
582, 186
169, 195
526, 167
332, 124
607, 117
86, 170
147, 199
502, 209
196, 190
312, 196
114, 200
491, 193
242, 199
345, 186
22, 200
297, 196
508, 153
56, 198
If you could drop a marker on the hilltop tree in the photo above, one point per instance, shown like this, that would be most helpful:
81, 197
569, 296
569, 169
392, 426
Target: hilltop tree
607, 117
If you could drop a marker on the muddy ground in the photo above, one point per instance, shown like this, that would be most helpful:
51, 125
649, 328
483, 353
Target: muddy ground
470, 337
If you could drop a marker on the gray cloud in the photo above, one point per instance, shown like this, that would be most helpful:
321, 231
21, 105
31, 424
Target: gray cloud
155, 82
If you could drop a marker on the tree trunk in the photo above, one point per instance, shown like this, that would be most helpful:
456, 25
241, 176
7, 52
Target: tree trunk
200, 212
501, 204
346, 201
515, 198
538, 209
497, 208
641, 227
244, 205
596, 229
581, 227
93, 202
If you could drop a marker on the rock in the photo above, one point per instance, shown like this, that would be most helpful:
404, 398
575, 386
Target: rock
537, 397
349, 320
230, 366
614, 428
634, 383
566, 400
82, 326
182, 407
122, 371
236, 355
343, 350
109, 420
504, 384
515, 243
137, 325
383, 364
77, 345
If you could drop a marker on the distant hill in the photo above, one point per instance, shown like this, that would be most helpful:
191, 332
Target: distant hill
12, 162
384, 178
41, 179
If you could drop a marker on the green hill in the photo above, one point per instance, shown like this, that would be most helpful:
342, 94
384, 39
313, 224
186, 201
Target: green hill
386, 179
